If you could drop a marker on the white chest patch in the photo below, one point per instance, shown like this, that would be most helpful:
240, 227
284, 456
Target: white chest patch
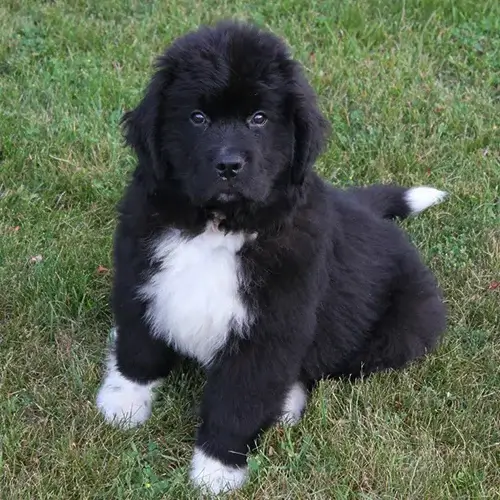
194, 299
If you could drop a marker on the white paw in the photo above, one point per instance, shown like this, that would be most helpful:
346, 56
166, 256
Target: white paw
294, 405
422, 197
214, 477
122, 402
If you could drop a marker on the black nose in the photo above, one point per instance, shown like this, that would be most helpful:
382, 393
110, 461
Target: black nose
229, 165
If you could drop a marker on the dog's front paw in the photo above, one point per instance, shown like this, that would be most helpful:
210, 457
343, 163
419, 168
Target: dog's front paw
123, 406
294, 405
124, 403
214, 477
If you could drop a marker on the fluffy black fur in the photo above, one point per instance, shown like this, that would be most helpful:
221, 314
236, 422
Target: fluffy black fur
335, 287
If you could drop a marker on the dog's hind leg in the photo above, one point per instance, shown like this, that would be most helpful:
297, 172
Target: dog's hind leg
294, 405
411, 327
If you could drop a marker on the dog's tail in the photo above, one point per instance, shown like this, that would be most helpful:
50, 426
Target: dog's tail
389, 201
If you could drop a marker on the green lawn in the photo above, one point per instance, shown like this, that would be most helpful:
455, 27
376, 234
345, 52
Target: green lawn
412, 89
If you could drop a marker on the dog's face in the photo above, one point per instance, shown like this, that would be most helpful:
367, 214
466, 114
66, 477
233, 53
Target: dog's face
228, 118
227, 135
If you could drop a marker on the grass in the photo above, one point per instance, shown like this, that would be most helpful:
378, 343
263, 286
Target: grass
412, 89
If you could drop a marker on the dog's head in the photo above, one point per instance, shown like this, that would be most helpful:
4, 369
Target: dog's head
228, 118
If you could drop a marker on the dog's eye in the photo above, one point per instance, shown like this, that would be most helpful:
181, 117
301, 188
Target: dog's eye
198, 118
258, 119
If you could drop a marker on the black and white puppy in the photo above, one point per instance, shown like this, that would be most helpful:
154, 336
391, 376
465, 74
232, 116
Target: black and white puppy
230, 250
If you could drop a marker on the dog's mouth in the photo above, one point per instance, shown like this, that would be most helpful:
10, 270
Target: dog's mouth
227, 197
224, 203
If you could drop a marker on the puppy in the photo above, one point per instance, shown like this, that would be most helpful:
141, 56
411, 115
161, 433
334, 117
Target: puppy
231, 251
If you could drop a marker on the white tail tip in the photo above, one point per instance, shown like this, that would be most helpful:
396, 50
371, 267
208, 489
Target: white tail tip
420, 198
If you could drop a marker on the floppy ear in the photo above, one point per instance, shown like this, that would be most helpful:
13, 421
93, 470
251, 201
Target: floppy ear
141, 131
142, 125
310, 130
